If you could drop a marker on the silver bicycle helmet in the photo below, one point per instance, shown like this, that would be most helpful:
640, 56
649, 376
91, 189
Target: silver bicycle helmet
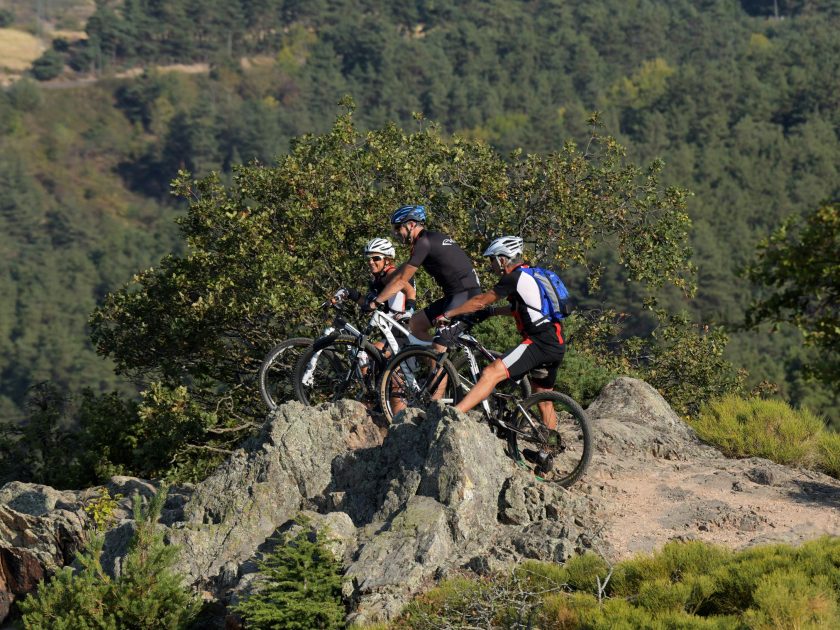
508, 246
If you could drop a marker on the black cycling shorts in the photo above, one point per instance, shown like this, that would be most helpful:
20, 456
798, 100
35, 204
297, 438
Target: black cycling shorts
531, 354
448, 302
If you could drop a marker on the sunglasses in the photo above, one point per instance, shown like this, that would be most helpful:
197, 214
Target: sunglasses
375, 258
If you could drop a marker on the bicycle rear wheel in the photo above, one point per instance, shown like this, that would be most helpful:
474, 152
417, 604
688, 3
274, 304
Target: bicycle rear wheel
560, 455
336, 368
414, 378
278, 369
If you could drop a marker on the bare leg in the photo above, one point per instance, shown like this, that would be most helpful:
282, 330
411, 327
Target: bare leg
549, 415
491, 376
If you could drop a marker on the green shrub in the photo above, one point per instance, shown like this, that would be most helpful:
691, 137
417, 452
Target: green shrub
628, 576
752, 427
583, 572
792, 599
542, 576
685, 585
147, 594
48, 66
828, 447
300, 587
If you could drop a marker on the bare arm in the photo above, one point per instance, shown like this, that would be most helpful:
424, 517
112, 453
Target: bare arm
474, 304
397, 282
407, 287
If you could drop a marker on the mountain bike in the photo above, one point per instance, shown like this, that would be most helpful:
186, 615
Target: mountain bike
467, 357
344, 363
276, 375
416, 376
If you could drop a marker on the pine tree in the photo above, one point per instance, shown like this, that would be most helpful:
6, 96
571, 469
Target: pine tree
301, 586
148, 594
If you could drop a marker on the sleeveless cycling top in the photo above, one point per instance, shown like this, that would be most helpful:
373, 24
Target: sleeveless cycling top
377, 282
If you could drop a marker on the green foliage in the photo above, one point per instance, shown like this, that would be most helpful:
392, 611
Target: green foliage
685, 585
686, 363
6, 18
683, 360
147, 594
69, 442
753, 427
48, 66
299, 586
800, 266
101, 508
793, 599
263, 251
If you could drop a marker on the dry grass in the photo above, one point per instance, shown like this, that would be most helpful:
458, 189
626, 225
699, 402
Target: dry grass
70, 36
18, 49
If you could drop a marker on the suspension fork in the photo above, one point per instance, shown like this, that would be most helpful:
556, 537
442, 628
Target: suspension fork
438, 375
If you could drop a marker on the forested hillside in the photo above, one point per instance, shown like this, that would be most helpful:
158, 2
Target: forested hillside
738, 98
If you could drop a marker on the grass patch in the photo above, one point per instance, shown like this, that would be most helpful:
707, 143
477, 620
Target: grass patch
18, 49
685, 585
752, 427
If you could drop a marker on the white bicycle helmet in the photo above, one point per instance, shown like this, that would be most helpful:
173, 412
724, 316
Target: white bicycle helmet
380, 246
508, 246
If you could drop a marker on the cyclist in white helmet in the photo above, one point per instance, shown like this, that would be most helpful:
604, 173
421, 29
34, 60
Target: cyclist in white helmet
380, 254
542, 344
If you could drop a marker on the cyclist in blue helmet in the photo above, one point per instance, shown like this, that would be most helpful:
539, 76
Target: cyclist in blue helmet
440, 256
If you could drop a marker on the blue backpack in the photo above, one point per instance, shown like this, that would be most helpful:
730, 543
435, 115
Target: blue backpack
555, 296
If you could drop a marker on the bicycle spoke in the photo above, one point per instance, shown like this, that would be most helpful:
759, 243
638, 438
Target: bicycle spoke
414, 378
559, 454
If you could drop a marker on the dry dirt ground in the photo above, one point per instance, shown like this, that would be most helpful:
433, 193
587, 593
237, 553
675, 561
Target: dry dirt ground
734, 503
653, 480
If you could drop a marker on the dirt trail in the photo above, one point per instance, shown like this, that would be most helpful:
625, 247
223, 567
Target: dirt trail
655, 481
716, 502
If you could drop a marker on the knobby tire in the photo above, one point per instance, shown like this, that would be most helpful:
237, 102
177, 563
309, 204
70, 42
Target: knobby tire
278, 369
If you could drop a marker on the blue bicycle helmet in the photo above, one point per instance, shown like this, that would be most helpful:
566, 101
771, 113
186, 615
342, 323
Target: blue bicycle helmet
409, 213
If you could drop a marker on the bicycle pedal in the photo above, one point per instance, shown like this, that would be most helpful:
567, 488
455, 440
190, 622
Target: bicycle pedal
530, 455
546, 464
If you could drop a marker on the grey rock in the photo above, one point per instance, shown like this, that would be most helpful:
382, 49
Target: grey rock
438, 495
632, 417
34, 546
35, 499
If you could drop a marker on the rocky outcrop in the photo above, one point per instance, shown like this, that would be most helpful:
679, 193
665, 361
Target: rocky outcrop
40, 531
439, 493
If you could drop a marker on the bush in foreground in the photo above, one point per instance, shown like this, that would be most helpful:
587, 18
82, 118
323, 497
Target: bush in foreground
685, 585
300, 586
147, 594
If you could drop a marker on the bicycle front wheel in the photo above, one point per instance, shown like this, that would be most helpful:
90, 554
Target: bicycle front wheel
336, 369
415, 378
559, 455
278, 370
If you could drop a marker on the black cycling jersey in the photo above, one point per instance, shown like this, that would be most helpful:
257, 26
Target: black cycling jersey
377, 280
445, 261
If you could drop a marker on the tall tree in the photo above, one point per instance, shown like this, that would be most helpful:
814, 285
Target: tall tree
800, 267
